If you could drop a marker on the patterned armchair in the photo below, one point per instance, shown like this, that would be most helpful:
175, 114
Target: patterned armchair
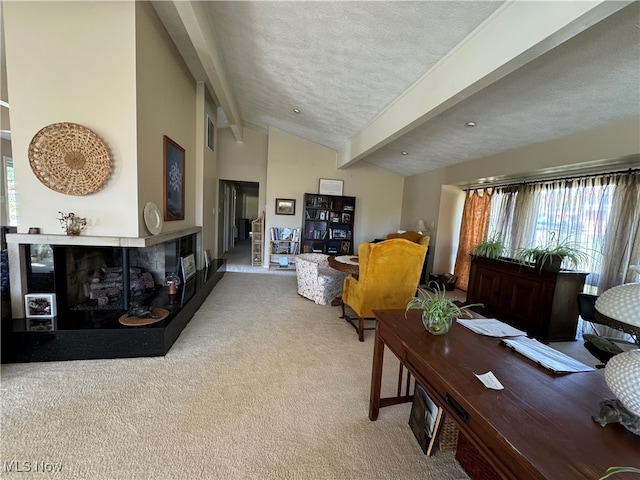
317, 281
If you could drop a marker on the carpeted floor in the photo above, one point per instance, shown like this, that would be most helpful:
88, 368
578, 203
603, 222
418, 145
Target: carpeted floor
262, 384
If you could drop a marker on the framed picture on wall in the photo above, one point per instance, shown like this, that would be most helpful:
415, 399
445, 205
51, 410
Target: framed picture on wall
173, 180
285, 206
330, 187
210, 131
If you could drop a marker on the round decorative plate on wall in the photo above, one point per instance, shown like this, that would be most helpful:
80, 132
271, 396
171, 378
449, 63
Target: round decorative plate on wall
69, 158
152, 218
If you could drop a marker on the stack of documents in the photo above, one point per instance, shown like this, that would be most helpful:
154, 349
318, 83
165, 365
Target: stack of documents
546, 356
491, 327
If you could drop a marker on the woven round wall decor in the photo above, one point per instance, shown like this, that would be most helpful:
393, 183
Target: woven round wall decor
69, 158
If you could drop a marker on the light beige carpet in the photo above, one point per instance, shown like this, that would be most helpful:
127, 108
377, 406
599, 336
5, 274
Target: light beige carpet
262, 384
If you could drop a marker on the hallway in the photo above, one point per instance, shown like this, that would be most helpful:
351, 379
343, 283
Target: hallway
239, 260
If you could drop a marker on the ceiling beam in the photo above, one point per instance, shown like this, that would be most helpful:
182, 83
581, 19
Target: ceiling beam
186, 20
514, 35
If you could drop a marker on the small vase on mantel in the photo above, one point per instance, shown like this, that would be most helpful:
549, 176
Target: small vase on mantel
71, 224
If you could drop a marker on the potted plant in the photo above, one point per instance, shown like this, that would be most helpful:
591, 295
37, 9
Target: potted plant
613, 470
490, 248
552, 255
438, 311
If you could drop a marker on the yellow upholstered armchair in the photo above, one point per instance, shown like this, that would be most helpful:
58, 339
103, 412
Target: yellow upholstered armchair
412, 237
416, 237
389, 274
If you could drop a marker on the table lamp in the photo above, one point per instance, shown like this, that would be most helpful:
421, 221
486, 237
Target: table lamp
622, 373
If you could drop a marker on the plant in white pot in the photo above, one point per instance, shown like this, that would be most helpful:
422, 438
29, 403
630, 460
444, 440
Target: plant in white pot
438, 312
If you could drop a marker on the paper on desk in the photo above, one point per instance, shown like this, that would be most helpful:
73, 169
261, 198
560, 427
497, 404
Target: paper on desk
490, 380
546, 356
490, 327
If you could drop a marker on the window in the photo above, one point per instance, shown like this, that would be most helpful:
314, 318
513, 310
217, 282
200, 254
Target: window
577, 211
10, 192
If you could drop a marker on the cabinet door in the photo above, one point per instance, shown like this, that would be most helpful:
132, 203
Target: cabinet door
485, 284
520, 302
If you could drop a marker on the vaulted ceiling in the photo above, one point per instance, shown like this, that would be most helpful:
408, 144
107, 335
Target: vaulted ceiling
373, 79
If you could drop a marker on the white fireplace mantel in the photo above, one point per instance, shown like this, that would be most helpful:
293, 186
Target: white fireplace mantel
94, 241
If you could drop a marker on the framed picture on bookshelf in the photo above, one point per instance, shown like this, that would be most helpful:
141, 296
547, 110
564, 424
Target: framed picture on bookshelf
285, 206
330, 187
346, 218
345, 247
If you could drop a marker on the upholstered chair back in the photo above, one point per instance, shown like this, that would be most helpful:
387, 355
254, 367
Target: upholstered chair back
412, 237
389, 274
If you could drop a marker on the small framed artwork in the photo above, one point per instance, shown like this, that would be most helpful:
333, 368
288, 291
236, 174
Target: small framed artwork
285, 206
210, 132
330, 187
40, 305
174, 159
188, 266
425, 420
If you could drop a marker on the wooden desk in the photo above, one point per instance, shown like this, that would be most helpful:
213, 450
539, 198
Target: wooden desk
538, 427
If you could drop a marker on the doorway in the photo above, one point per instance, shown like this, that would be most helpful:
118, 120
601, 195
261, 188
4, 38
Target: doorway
238, 206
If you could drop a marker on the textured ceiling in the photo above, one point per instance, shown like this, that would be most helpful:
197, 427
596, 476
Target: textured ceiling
343, 63
340, 63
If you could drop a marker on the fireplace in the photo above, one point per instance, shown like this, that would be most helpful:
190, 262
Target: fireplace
87, 323
94, 275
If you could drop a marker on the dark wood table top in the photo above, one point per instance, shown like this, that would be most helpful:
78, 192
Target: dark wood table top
540, 426
342, 266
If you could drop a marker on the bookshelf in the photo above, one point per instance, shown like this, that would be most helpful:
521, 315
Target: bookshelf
328, 224
285, 245
257, 227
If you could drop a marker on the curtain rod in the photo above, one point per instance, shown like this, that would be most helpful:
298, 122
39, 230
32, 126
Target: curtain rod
631, 171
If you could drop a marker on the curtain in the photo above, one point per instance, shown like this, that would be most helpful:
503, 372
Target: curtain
475, 221
574, 211
622, 249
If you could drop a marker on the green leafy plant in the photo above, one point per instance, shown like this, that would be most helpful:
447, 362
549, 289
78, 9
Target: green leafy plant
560, 251
490, 248
437, 310
613, 470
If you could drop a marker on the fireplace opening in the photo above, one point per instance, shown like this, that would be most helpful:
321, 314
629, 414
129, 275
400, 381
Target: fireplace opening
94, 276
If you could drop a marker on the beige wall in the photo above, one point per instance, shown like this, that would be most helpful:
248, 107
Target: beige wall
295, 166
166, 105
80, 68
568, 155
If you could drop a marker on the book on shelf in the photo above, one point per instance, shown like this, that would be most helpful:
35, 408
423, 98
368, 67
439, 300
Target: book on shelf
285, 234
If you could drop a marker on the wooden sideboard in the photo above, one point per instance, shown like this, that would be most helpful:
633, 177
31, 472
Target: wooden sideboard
542, 303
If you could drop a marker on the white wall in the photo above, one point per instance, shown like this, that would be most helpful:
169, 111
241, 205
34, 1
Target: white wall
74, 62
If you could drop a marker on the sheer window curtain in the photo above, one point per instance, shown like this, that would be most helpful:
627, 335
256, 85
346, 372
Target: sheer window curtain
574, 211
475, 221
622, 248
